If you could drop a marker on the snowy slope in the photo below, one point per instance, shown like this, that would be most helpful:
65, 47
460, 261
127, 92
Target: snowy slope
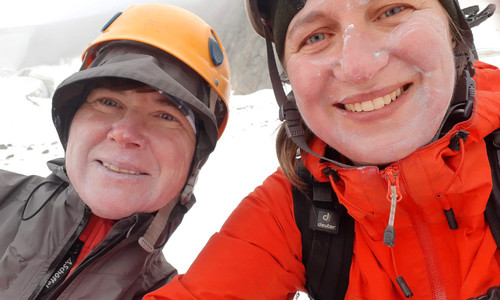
244, 157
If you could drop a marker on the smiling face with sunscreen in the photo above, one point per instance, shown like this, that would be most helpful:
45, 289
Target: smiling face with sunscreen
373, 79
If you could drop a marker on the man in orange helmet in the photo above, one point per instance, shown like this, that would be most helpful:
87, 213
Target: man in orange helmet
137, 122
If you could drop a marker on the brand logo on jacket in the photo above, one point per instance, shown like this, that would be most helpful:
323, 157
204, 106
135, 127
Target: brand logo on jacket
61, 273
327, 221
63, 268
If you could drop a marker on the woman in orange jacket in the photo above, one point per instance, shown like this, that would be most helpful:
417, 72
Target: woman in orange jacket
385, 90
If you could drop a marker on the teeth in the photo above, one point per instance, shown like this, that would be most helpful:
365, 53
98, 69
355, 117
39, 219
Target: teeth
116, 169
374, 104
388, 98
367, 106
379, 102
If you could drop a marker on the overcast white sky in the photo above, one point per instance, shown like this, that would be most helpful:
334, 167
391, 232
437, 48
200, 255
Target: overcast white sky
28, 12
15, 13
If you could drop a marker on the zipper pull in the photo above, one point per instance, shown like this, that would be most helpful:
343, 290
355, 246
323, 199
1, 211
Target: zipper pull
394, 196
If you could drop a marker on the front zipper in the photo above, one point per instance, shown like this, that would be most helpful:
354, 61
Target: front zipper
394, 196
57, 291
62, 254
397, 191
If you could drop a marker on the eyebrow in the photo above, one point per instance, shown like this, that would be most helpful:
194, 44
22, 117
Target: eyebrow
307, 19
163, 101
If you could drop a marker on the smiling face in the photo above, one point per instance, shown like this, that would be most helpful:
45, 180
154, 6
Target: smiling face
373, 79
128, 151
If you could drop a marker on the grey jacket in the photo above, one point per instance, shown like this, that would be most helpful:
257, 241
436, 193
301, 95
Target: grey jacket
33, 243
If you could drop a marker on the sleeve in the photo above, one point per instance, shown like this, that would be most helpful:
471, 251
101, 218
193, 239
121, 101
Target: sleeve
256, 255
14, 192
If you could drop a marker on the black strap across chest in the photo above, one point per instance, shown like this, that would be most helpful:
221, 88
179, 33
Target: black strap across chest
327, 238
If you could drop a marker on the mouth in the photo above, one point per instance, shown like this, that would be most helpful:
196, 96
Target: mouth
119, 170
377, 103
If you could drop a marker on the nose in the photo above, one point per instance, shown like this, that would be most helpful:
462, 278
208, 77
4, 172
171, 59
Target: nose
128, 131
362, 55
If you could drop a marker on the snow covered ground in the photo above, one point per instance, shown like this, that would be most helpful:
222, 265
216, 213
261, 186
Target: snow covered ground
244, 156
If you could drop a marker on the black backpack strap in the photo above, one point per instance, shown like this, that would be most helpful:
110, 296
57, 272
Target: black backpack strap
492, 211
327, 237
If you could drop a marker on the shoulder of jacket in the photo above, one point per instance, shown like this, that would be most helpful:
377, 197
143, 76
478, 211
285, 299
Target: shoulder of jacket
275, 184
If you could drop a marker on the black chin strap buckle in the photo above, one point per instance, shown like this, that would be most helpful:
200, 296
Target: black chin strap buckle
465, 92
474, 17
462, 102
290, 113
470, 94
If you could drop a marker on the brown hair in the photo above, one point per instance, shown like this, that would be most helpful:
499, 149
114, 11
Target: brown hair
286, 150
462, 50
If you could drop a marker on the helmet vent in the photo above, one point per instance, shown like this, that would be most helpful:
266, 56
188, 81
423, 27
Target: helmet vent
216, 53
110, 21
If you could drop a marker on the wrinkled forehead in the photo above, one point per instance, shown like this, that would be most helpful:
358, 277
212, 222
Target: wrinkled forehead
319, 8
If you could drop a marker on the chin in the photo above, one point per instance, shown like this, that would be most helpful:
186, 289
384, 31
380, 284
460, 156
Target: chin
112, 211
109, 215
382, 160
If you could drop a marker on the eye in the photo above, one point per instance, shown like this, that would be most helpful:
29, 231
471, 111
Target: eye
391, 12
318, 37
109, 102
167, 117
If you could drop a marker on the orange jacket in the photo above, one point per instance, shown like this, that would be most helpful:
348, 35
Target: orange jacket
257, 254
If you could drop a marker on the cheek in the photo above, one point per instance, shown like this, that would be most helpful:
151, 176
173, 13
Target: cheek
309, 76
423, 44
174, 154
84, 133
77, 142
174, 163
311, 79
423, 41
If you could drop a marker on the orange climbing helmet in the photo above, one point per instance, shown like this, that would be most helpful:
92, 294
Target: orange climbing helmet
175, 31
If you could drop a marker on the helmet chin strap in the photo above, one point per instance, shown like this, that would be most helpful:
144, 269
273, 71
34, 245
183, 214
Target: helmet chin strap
157, 226
462, 102
170, 215
288, 108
